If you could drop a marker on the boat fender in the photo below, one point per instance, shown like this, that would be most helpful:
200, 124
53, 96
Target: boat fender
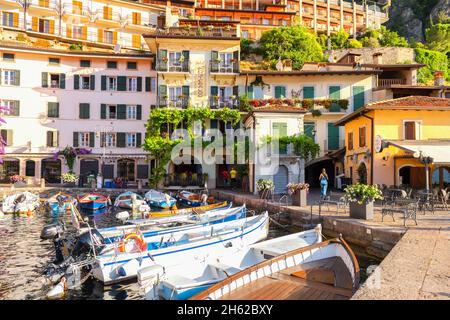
139, 240
128, 268
58, 291
150, 274
122, 215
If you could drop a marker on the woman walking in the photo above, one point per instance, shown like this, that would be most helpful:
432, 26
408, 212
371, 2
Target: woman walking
323, 178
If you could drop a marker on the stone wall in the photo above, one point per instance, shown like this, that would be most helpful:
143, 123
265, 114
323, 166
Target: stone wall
390, 55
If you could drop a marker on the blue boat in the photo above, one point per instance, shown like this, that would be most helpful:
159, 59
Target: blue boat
125, 200
60, 202
93, 201
158, 199
189, 199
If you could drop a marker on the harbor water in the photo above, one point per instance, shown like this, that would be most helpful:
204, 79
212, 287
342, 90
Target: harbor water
24, 257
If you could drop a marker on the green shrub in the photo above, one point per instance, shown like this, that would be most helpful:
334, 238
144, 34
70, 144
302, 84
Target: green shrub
433, 61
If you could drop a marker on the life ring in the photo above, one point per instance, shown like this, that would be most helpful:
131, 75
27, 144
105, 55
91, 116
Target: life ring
139, 240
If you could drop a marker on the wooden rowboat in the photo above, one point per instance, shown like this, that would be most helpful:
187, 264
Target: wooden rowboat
93, 201
168, 213
324, 271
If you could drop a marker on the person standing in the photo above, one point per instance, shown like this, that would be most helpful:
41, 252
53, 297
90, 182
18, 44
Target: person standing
323, 178
233, 174
225, 177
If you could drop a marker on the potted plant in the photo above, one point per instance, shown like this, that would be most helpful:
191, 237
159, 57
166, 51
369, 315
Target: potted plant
181, 59
361, 197
69, 178
265, 187
16, 178
227, 27
298, 192
210, 27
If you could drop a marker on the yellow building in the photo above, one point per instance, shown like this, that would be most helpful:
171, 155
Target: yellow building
388, 142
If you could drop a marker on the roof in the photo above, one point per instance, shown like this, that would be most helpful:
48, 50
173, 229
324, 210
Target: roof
439, 150
394, 66
279, 109
308, 73
405, 103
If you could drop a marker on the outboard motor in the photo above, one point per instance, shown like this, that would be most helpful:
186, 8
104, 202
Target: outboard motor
52, 231
84, 244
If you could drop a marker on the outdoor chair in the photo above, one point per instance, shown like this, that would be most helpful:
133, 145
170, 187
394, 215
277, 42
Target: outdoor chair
407, 207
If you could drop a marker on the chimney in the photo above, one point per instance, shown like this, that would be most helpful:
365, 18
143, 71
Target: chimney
438, 78
377, 58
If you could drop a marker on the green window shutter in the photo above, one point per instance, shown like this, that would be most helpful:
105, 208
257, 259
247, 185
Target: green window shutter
139, 112
185, 91
76, 82
335, 94
49, 138
280, 130
17, 78
214, 91
121, 83
308, 92
103, 84
121, 139
138, 140
62, 81
308, 128
162, 64
92, 139
280, 92
358, 97
148, 84
185, 54
121, 111
92, 82
84, 111
53, 109
75, 139
333, 136
236, 64
44, 80
103, 111
139, 83
214, 64
236, 91
162, 90
213, 124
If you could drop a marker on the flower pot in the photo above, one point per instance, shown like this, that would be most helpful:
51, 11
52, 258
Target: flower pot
299, 198
361, 211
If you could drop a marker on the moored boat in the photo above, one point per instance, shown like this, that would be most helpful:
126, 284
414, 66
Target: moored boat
128, 200
178, 212
159, 199
112, 265
60, 202
323, 271
190, 199
22, 202
93, 201
183, 281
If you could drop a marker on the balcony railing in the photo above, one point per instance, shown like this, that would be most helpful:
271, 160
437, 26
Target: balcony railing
164, 101
198, 32
218, 102
172, 66
224, 67
51, 4
389, 82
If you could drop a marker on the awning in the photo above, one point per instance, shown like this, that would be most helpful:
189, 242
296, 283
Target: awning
438, 150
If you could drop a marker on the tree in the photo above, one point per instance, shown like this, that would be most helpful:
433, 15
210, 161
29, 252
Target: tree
353, 43
438, 37
433, 61
294, 42
389, 38
339, 40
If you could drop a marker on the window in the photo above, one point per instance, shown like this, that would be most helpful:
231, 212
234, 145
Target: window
111, 64
111, 83
54, 80
350, 141
132, 84
53, 109
136, 18
10, 77
108, 37
8, 19
30, 168
362, 136
131, 65
225, 18
284, 23
411, 130
174, 94
7, 136
77, 32
52, 138
224, 96
108, 140
244, 34
111, 112
182, 13
174, 61
206, 18
265, 22
84, 112
280, 92
8, 57
225, 64
85, 63
44, 26
132, 112
85, 82
13, 105
77, 7
53, 61
83, 139
131, 140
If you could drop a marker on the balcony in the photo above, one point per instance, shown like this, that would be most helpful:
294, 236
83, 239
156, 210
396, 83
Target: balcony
223, 102
224, 67
43, 7
180, 102
172, 66
385, 83
198, 32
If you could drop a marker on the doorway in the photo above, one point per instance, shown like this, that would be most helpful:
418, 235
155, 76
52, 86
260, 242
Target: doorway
126, 169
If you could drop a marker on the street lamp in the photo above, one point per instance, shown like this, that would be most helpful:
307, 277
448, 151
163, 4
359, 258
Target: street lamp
426, 160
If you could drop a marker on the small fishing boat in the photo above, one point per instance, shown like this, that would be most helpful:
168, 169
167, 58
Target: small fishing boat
60, 202
23, 202
172, 225
183, 281
178, 212
159, 199
128, 200
93, 201
190, 199
323, 271
114, 264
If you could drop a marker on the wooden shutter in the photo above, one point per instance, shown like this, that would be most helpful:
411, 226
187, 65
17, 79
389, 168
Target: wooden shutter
92, 139
69, 31
35, 24
100, 35
333, 136
280, 92
75, 139
76, 82
148, 84
92, 82
410, 130
138, 140
103, 111
9, 137
114, 33
139, 84
49, 138
136, 41
15, 19
162, 65
335, 94
308, 128
185, 54
121, 83
53, 109
308, 92
162, 90
16, 111
62, 81
350, 141
107, 13
139, 112
17, 77
236, 63
44, 80
51, 28
362, 136
185, 91
84, 111
121, 136
214, 64
358, 97
103, 84
84, 32
121, 111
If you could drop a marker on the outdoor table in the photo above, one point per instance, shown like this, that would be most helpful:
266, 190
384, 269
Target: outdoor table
338, 203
